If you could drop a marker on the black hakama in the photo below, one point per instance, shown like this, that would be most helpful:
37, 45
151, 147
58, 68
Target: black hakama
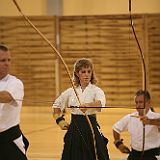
78, 141
8, 149
146, 155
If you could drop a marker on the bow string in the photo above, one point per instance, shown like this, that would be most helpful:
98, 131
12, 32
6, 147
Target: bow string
144, 84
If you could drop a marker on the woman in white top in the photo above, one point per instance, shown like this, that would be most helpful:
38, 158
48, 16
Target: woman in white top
78, 141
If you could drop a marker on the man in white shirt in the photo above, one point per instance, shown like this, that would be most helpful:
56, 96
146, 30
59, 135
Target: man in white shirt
13, 144
135, 124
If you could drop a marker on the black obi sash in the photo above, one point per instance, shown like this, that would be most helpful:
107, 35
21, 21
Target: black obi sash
11, 134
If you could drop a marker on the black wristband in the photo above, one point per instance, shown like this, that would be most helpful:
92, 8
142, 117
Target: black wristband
118, 143
59, 119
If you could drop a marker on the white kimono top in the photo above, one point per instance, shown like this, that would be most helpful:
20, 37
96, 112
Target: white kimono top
10, 112
90, 94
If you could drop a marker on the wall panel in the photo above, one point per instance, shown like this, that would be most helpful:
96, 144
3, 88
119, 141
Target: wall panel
32, 58
106, 39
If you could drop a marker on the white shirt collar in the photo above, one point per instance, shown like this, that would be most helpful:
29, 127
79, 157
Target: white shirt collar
5, 78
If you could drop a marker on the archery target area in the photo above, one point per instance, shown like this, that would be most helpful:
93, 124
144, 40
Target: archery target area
106, 39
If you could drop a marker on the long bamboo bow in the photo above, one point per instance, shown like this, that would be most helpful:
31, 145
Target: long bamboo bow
144, 84
66, 67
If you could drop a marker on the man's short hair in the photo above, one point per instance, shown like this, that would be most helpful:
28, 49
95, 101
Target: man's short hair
144, 93
3, 48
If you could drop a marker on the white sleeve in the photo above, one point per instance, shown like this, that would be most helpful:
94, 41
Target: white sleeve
16, 89
100, 96
62, 101
122, 124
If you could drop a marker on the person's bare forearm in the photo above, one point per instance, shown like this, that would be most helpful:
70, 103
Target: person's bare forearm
154, 122
119, 143
116, 135
92, 104
146, 120
5, 97
56, 111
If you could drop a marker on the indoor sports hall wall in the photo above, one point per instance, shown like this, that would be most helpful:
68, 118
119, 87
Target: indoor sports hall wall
107, 39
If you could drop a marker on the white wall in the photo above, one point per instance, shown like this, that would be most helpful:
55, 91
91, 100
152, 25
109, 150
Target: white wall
79, 7
29, 7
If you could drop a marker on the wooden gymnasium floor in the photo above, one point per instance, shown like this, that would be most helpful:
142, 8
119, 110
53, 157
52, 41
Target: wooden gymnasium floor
46, 138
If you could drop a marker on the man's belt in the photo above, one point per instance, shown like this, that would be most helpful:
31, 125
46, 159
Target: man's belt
10, 134
154, 151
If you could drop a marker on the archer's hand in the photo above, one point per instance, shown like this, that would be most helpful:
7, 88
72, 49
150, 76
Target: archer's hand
61, 121
144, 119
63, 125
83, 109
123, 148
